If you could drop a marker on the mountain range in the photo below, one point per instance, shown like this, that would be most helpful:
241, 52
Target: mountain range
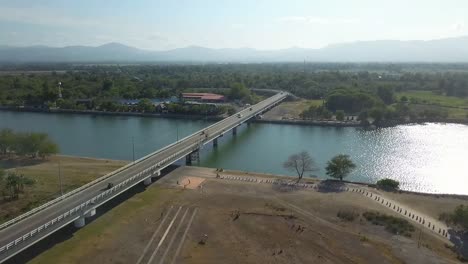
441, 50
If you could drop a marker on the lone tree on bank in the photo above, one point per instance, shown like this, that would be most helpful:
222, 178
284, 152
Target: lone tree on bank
340, 166
300, 163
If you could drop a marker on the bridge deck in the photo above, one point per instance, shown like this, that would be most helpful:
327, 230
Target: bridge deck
24, 233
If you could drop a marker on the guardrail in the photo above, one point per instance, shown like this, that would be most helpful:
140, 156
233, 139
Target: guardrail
80, 210
100, 179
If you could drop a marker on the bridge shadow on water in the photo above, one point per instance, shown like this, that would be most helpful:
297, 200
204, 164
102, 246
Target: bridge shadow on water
69, 230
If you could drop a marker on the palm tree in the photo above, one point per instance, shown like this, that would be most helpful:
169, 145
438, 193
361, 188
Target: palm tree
340, 166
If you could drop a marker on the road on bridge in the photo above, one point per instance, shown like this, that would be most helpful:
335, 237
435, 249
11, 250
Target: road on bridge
23, 228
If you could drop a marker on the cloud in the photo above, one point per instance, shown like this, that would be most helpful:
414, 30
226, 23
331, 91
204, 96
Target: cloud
458, 27
317, 20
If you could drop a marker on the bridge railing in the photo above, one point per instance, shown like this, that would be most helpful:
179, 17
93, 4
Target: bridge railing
80, 210
248, 116
100, 179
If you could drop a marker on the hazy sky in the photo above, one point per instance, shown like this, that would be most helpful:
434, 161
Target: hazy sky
261, 24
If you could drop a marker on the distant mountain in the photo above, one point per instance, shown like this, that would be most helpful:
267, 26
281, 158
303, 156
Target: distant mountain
442, 50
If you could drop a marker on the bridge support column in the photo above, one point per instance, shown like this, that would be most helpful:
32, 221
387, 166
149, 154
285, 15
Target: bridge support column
215, 143
80, 222
147, 181
91, 213
234, 131
195, 155
188, 159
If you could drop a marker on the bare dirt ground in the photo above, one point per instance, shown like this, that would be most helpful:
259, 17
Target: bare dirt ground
190, 182
226, 221
432, 205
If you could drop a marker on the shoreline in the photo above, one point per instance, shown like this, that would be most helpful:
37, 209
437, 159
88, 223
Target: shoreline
300, 122
279, 176
105, 113
307, 179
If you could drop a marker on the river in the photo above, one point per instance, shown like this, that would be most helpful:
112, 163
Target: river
424, 157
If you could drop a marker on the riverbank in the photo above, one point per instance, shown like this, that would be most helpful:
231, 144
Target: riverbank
327, 123
273, 118
106, 113
176, 116
206, 219
289, 112
74, 172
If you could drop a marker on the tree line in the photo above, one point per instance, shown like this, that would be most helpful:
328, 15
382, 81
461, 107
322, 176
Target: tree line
381, 105
312, 81
26, 144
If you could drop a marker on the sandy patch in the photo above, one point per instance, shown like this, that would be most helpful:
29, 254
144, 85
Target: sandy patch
190, 182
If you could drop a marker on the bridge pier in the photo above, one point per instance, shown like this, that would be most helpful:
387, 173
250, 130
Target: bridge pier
92, 212
215, 143
147, 181
191, 156
80, 222
234, 131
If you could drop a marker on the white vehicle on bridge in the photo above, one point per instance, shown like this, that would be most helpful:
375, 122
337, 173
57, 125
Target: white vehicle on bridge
75, 206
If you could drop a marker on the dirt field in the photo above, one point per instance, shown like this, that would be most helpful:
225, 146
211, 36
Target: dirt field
235, 221
75, 172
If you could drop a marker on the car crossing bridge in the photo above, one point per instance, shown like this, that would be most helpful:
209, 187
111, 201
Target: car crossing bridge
20, 233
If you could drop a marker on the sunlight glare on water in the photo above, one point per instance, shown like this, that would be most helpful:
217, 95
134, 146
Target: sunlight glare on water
423, 157
427, 158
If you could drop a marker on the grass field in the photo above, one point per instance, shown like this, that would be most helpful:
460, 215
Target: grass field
75, 172
291, 109
428, 97
426, 100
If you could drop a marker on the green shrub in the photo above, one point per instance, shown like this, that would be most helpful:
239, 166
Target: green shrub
364, 239
388, 184
347, 215
459, 217
392, 224
340, 114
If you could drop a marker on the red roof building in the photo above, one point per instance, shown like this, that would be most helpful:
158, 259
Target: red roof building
204, 97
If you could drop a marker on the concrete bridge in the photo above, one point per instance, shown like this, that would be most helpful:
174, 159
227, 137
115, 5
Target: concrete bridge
20, 233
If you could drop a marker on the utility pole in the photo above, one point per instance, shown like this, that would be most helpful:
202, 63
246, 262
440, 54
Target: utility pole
177, 128
60, 178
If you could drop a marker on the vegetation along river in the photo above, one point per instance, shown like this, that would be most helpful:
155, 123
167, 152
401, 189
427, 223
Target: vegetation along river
424, 157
